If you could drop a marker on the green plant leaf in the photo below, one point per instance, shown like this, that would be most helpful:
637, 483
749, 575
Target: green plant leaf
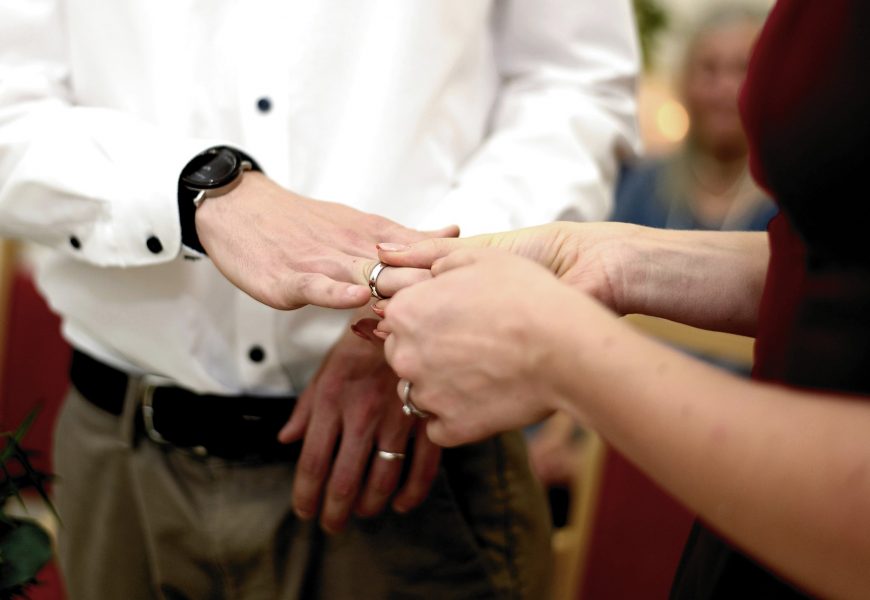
24, 550
35, 479
652, 20
17, 435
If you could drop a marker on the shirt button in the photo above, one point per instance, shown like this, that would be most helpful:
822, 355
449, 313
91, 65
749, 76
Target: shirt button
264, 105
154, 245
256, 354
75, 242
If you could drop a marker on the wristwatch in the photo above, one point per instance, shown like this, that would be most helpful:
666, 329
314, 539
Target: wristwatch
212, 173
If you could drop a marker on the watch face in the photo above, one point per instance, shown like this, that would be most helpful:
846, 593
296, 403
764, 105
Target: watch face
212, 169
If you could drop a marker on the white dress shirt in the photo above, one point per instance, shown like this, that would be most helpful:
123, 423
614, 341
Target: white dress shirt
493, 114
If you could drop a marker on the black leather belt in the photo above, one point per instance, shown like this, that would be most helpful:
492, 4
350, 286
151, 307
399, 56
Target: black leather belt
229, 427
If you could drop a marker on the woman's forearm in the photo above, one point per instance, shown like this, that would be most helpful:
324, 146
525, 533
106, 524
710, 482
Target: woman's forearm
782, 473
711, 280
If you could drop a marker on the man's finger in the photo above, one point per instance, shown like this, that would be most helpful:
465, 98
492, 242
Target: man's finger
404, 235
318, 289
393, 279
451, 231
424, 468
294, 429
312, 469
345, 479
383, 477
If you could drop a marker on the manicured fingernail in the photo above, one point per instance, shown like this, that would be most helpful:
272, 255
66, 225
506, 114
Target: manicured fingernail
360, 333
389, 247
381, 334
378, 311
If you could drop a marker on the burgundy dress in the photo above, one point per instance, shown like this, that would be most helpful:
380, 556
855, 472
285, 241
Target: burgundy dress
806, 107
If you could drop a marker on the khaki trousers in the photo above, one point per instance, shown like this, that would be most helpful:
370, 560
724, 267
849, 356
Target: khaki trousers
142, 521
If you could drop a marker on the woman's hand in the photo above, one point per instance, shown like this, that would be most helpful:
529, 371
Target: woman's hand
481, 345
587, 256
708, 279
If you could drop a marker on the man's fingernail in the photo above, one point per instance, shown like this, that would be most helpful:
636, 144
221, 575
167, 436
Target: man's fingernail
354, 290
388, 247
378, 311
303, 514
400, 508
381, 334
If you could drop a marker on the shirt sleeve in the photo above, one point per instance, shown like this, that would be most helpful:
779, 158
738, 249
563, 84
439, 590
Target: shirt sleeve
565, 115
96, 183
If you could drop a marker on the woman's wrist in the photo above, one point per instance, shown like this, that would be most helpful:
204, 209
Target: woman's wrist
582, 349
711, 280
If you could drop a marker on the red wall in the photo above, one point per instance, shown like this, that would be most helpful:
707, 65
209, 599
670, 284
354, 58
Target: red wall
637, 539
34, 374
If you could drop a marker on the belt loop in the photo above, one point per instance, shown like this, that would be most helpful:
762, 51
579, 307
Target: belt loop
127, 422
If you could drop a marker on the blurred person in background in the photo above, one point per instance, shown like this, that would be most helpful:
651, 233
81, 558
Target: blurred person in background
169, 156
705, 184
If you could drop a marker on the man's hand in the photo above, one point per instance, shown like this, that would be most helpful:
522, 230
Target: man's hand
288, 251
353, 398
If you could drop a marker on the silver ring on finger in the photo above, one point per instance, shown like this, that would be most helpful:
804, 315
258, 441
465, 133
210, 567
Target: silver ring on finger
390, 456
373, 281
408, 406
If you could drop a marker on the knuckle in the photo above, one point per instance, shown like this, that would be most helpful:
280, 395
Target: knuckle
359, 427
370, 408
312, 465
414, 494
403, 363
343, 487
384, 485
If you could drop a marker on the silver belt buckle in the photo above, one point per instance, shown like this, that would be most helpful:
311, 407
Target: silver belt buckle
150, 384
148, 415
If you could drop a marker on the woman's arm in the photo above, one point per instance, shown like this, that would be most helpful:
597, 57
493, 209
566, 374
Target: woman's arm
784, 474
711, 280
707, 279
494, 342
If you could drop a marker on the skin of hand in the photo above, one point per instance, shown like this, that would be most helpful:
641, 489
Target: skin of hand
287, 251
474, 341
781, 472
351, 404
628, 268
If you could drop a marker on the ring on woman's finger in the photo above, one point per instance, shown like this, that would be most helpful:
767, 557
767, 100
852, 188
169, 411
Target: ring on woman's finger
390, 456
408, 406
373, 281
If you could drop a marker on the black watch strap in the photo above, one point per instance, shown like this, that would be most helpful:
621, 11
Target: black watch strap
186, 196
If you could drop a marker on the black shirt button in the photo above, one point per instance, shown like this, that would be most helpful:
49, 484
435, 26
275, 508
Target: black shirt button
256, 354
264, 105
154, 245
74, 242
